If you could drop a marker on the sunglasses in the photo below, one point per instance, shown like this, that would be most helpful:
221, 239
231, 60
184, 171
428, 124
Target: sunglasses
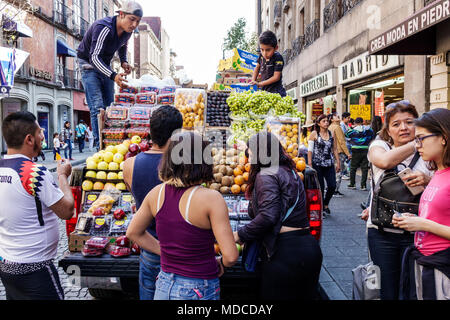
396, 104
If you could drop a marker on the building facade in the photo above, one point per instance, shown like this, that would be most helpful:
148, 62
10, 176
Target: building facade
49, 82
328, 66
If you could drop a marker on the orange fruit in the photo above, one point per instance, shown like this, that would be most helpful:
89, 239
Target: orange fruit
245, 175
303, 159
244, 187
247, 167
242, 161
295, 159
239, 180
242, 167
237, 171
301, 165
235, 189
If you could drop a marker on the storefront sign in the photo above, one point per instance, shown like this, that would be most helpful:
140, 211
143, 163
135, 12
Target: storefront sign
319, 83
438, 59
366, 65
41, 74
362, 111
436, 12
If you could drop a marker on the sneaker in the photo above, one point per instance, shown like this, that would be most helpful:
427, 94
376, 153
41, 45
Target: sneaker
337, 194
351, 187
71, 159
327, 211
345, 178
363, 189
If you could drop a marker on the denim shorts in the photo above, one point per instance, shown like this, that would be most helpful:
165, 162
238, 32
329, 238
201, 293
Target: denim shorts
170, 286
149, 267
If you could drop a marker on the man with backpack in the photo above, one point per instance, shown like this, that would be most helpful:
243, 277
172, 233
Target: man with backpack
80, 131
360, 137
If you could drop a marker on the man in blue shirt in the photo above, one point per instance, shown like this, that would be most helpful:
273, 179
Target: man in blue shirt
103, 38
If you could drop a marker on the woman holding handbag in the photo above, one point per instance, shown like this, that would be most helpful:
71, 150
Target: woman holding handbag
431, 251
66, 137
394, 148
291, 256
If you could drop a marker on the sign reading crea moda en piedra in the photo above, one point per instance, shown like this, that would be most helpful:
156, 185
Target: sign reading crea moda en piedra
365, 65
436, 12
319, 83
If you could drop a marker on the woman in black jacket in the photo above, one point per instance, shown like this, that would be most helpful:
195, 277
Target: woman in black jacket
291, 256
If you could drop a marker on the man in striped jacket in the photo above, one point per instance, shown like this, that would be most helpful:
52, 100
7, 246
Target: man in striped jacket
103, 39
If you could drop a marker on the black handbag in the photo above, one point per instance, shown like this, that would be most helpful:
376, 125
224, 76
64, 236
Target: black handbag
391, 195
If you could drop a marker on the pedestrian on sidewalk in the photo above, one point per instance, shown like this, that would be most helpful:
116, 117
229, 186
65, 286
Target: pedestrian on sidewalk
360, 136
307, 128
103, 39
345, 127
324, 158
66, 137
395, 148
291, 258
80, 132
430, 256
140, 175
189, 268
341, 143
90, 138
30, 213
56, 145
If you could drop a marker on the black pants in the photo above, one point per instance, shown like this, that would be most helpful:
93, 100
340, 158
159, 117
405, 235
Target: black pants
293, 271
81, 143
359, 159
43, 284
386, 250
328, 174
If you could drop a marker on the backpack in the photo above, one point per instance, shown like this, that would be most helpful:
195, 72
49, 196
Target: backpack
391, 194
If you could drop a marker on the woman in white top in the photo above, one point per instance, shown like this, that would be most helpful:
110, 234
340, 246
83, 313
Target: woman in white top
394, 146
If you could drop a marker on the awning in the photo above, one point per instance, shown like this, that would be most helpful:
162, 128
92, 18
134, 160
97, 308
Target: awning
63, 49
414, 36
16, 26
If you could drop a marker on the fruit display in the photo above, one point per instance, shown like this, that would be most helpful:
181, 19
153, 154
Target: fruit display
166, 99
218, 110
129, 90
146, 98
124, 98
117, 113
147, 89
231, 171
192, 104
168, 89
288, 134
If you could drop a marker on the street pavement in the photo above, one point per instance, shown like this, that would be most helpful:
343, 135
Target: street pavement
78, 157
343, 243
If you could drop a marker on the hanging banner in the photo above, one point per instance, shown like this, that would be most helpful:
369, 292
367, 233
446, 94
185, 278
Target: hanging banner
11, 60
379, 103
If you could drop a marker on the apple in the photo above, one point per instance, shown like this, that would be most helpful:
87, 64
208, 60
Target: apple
129, 155
135, 249
99, 212
122, 241
134, 148
144, 146
119, 214
136, 139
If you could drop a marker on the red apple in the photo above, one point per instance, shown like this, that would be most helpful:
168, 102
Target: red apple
135, 249
144, 146
134, 148
119, 214
99, 212
122, 241
129, 155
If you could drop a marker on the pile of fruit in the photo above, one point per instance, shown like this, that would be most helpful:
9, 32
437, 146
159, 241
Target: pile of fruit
300, 165
288, 134
191, 103
231, 171
218, 109
105, 168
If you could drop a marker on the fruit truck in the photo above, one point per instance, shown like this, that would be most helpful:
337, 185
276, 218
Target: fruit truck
108, 277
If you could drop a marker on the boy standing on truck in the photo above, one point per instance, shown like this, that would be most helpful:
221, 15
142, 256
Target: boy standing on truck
31, 206
140, 174
270, 64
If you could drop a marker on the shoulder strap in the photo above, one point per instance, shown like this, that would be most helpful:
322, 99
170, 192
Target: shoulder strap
186, 215
414, 160
288, 213
159, 196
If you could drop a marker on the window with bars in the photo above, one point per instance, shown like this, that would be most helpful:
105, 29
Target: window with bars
76, 5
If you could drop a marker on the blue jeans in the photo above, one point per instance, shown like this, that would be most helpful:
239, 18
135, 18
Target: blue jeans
69, 147
99, 92
386, 250
149, 267
170, 286
81, 143
328, 174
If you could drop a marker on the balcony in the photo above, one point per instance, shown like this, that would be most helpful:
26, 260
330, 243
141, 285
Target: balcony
332, 13
286, 5
69, 78
349, 5
277, 12
287, 55
297, 46
312, 32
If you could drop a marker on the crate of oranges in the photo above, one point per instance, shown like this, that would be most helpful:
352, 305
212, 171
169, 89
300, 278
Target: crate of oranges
288, 134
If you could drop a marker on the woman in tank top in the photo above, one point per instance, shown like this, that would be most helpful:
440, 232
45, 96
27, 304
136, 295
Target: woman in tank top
189, 218
322, 155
